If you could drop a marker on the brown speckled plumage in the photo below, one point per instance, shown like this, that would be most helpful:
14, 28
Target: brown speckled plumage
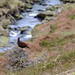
21, 44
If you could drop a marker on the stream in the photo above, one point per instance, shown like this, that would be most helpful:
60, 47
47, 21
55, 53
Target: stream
29, 20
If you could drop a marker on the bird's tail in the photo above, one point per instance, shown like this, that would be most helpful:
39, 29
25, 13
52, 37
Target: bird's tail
27, 46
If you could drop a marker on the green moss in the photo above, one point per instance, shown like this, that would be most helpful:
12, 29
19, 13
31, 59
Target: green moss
28, 6
37, 25
19, 16
4, 41
35, 30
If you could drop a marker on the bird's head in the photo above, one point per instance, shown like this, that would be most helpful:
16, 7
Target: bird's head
18, 38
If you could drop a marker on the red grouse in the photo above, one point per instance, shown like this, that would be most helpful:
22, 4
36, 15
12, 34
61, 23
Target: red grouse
21, 44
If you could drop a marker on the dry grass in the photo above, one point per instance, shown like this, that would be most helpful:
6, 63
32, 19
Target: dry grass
59, 47
2, 63
60, 44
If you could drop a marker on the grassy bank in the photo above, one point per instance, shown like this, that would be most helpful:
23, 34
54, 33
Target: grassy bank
70, 1
56, 39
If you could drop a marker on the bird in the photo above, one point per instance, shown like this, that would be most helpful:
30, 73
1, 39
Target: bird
21, 44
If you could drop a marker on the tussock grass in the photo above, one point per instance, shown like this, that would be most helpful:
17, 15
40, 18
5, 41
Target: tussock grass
53, 28
2, 54
63, 59
51, 65
67, 57
53, 42
72, 16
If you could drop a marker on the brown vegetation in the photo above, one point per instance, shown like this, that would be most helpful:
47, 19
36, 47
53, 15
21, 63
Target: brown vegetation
62, 38
56, 39
2, 64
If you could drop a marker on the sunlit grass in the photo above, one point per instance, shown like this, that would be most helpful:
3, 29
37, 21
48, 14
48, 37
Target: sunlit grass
2, 54
53, 42
4, 41
72, 16
68, 57
53, 28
